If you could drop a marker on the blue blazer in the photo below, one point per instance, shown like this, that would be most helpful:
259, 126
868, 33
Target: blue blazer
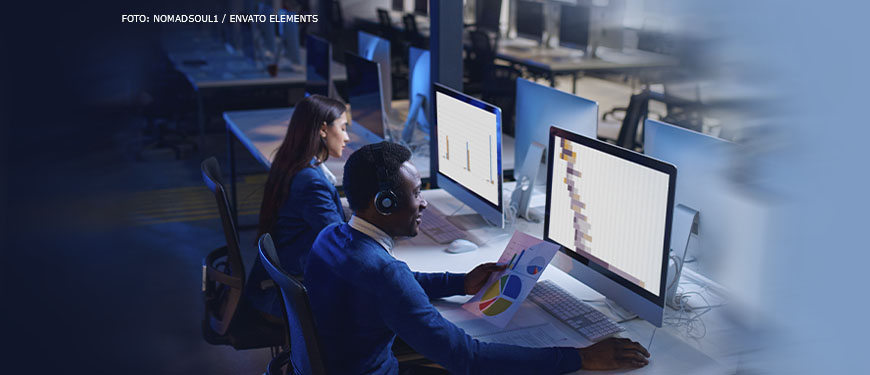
312, 203
362, 298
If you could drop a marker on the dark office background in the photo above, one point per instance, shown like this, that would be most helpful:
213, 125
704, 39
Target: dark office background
69, 291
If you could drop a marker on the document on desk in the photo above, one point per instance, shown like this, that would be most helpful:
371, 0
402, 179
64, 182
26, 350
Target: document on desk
540, 336
526, 258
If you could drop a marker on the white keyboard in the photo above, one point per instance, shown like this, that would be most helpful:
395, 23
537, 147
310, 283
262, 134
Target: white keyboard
436, 226
583, 318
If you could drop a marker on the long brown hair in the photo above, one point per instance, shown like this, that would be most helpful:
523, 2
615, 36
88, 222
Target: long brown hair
301, 144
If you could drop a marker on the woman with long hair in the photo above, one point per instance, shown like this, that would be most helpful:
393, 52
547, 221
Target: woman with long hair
300, 197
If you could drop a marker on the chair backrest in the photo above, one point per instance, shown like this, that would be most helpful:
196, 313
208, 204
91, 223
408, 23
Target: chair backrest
384, 18
483, 53
638, 108
412, 33
305, 356
232, 277
337, 16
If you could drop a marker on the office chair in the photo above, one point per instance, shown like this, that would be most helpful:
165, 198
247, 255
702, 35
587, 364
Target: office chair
170, 99
305, 357
412, 32
481, 56
500, 89
635, 114
229, 319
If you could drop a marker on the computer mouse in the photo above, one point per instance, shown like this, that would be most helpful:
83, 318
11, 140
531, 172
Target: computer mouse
461, 246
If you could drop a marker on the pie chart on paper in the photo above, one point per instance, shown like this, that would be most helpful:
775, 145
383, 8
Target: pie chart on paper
501, 295
536, 266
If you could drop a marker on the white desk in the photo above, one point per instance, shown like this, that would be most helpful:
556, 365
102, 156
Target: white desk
261, 131
672, 351
217, 67
564, 61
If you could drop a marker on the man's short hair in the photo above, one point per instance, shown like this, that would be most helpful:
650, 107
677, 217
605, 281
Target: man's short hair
361, 172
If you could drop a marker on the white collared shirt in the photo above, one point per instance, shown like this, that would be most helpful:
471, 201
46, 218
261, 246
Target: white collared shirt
372, 231
328, 173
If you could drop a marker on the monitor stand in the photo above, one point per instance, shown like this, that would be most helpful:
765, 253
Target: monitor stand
685, 219
522, 194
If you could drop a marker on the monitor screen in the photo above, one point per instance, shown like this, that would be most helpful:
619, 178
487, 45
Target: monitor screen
317, 62
364, 94
421, 7
469, 151
703, 186
530, 20
418, 115
610, 209
377, 49
289, 32
538, 107
574, 27
399, 5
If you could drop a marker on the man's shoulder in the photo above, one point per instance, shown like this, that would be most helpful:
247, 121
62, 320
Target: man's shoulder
347, 245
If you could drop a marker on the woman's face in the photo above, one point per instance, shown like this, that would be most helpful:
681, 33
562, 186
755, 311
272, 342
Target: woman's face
335, 136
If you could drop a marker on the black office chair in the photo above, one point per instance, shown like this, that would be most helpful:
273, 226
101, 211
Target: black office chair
168, 107
412, 32
229, 319
480, 57
635, 114
305, 357
500, 89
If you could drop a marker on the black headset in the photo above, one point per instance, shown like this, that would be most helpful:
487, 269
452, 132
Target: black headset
386, 200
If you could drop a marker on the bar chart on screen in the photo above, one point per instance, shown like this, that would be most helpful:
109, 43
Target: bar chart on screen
468, 147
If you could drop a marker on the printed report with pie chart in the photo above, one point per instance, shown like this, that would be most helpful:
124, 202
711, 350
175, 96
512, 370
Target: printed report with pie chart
526, 258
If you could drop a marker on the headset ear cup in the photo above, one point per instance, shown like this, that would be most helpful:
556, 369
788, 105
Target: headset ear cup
386, 202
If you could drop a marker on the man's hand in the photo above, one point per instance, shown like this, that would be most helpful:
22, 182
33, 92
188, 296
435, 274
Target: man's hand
475, 279
612, 354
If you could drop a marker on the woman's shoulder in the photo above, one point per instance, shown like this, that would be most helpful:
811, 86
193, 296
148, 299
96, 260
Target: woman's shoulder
308, 177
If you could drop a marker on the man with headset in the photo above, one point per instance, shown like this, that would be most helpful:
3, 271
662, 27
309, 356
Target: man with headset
362, 297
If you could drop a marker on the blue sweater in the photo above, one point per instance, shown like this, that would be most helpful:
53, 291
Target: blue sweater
312, 203
362, 298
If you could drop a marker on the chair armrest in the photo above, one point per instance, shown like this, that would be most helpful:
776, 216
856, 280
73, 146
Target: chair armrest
210, 272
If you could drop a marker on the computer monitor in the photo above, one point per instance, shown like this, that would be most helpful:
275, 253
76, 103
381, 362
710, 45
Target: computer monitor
574, 27
703, 186
289, 32
399, 5
318, 58
610, 210
488, 15
468, 133
530, 20
538, 107
420, 87
364, 95
267, 29
377, 49
421, 7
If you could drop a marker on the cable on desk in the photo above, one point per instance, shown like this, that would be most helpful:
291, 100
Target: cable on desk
651, 337
694, 325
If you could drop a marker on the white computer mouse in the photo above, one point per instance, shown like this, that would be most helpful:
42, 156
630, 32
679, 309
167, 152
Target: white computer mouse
461, 246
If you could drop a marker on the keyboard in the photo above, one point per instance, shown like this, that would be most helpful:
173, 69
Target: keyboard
586, 320
436, 226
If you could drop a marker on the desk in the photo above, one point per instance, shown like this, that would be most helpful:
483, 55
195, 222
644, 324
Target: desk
219, 67
559, 61
672, 352
261, 131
